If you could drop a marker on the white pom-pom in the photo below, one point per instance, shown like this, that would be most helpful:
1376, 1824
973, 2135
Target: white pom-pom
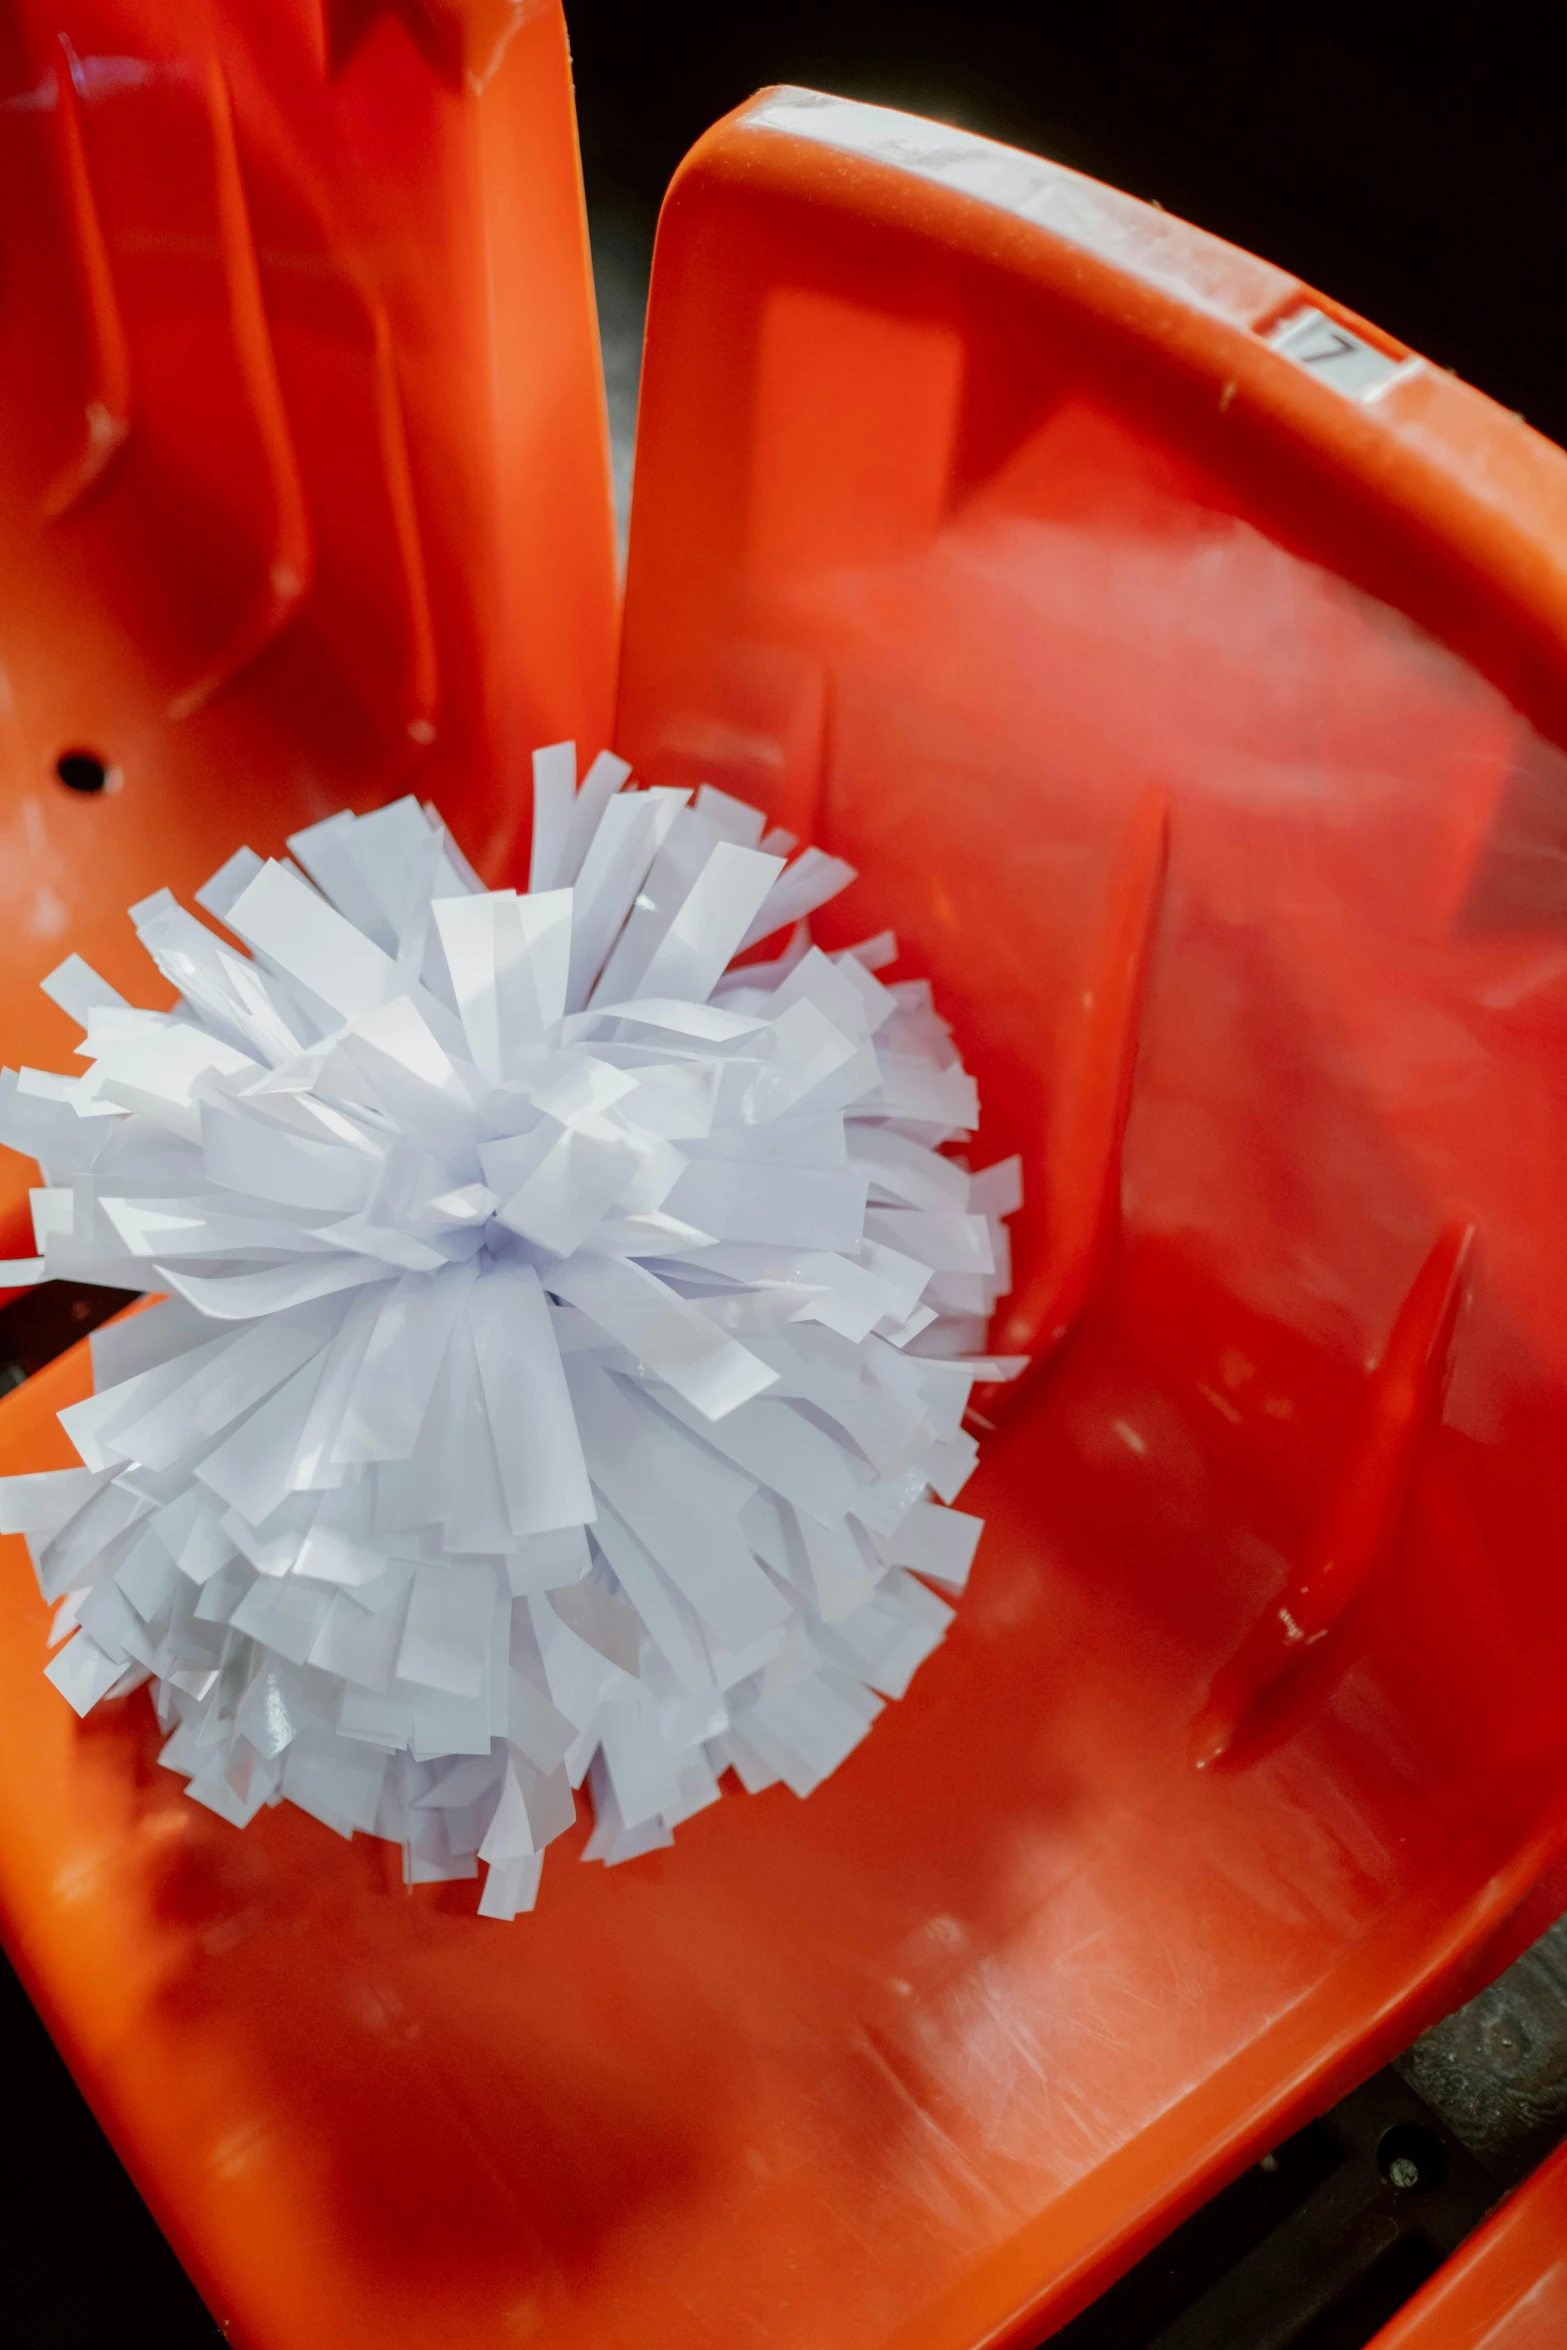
561, 1332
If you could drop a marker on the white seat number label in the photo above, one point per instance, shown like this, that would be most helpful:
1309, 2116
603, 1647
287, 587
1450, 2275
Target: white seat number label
1335, 355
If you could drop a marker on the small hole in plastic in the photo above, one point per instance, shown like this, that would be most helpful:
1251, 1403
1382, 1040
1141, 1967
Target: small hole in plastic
1411, 2158
83, 771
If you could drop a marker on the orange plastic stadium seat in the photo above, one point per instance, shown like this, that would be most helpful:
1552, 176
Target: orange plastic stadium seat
1184, 666
1507, 2288
304, 475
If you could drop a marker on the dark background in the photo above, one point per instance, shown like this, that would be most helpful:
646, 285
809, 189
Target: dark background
1408, 161
1412, 163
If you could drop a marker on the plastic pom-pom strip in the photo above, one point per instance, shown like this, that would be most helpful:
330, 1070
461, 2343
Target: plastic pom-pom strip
564, 1331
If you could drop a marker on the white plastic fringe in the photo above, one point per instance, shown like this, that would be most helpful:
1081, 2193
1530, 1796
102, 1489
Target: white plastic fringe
561, 1333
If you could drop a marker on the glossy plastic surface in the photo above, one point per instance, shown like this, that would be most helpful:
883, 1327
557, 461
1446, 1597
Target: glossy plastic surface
1193, 721
1192, 713
1507, 2288
303, 465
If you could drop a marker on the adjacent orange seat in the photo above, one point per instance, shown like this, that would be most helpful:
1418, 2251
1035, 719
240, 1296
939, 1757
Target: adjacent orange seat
1183, 665
1507, 2288
304, 490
